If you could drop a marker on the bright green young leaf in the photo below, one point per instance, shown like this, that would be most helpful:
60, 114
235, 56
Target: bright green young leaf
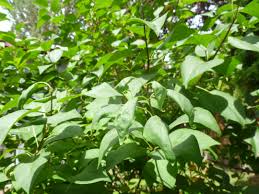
90, 174
156, 25
11, 104
192, 1
100, 4
26, 94
250, 43
156, 132
109, 139
55, 55
159, 96
6, 4
188, 150
125, 118
126, 151
102, 91
193, 67
63, 116
252, 8
161, 171
9, 120
180, 135
31, 171
3, 177
182, 101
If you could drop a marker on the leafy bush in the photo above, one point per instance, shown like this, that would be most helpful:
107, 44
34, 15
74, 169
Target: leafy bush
128, 96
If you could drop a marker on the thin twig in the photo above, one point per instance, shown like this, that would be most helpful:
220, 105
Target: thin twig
145, 39
226, 35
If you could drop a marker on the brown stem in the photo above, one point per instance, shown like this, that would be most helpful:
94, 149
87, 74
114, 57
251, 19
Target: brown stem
226, 35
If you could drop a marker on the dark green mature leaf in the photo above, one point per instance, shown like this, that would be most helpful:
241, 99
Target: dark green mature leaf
156, 25
254, 142
188, 150
180, 135
193, 67
90, 174
102, 91
31, 171
110, 139
156, 132
161, 171
26, 94
221, 102
63, 116
182, 101
125, 118
126, 151
9, 120
248, 43
252, 8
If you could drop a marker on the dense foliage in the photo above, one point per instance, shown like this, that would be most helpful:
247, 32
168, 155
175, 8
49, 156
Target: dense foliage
130, 96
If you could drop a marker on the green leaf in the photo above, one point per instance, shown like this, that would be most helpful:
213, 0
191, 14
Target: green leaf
188, 150
100, 4
182, 101
90, 174
55, 55
31, 171
89, 155
55, 5
9, 120
156, 25
180, 135
156, 132
125, 118
63, 116
252, 8
254, 142
6, 4
3, 177
63, 131
250, 43
126, 151
221, 102
158, 98
26, 133
205, 118
102, 91
192, 1
162, 171
26, 94
131, 86
193, 67
109, 139
11, 104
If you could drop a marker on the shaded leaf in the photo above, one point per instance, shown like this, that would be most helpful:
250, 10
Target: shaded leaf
162, 171
31, 171
109, 139
126, 151
180, 135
